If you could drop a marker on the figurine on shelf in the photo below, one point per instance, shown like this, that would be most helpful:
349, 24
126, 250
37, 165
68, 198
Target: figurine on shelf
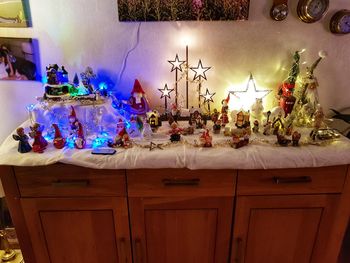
282, 140
197, 119
256, 126
267, 128
76, 130
318, 122
286, 90
138, 101
238, 141
39, 144
295, 138
217, 127
22, 138
175, 132
86, 78
206, 139
122, 138
215, 116
257, 109
224, 111
278, 125
58, 141
136, 126
242, 119
175, 112
188, 131
153, 118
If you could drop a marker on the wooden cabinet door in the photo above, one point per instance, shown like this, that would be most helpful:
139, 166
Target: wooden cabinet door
186, 230
78, 230
281, 229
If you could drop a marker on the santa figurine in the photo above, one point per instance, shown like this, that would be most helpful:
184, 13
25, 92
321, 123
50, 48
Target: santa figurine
224, 111
76, 130
122, 138
138, 101
206, 139
39, 144
58, 140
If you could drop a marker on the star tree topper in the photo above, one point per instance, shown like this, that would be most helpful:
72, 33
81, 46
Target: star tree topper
165, 91
176, 63
250, 94
200, 71
208, 97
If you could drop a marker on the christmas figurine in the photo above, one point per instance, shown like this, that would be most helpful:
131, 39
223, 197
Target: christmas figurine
136, 126
153, 118
76, 130
295, 138
224, 111
277, 125
206, 139
286, 90
215, 116
256, 126
122, 138
138, 101
282, 140
39, 144
238, 142
22, 138
309, 93
257, 109
175, 112
217, 127
58, 140
242, 119
267, 128
197, 119
175, 132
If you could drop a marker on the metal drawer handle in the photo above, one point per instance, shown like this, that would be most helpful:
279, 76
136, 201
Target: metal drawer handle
73, 183
181, 182
292, 180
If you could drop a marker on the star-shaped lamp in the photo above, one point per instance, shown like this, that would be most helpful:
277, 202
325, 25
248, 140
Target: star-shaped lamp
176, 63
200, 71
250, 94
208, 97
165, 91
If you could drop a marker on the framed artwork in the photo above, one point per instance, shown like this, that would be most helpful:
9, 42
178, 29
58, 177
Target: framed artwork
19, 59
14, 13
176, 10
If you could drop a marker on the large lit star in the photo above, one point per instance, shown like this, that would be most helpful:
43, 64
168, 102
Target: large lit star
200, 71
250, 94
176, 63
165, 91
208, 96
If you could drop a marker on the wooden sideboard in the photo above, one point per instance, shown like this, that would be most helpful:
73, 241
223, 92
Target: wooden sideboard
65, 213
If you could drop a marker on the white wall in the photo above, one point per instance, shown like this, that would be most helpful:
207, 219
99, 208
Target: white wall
87, 32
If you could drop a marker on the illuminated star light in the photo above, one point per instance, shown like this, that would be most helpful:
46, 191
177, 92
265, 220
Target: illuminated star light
208, 96
248, 96
200, 71
176, 63
165, 91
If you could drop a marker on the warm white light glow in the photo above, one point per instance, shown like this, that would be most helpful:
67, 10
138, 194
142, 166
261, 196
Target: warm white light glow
244, 99
187, 39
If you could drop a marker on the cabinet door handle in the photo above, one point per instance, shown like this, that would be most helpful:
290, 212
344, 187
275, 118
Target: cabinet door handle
138, 251
71, 183
238, 257
292, 180
181, 182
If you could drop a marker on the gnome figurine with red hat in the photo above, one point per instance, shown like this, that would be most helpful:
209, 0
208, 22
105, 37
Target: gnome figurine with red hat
39, 144
224, 111
76, 130
58, 141
122, 138
138, 101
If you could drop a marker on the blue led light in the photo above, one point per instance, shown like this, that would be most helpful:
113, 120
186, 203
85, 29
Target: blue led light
103, 86
30, 107
70, 142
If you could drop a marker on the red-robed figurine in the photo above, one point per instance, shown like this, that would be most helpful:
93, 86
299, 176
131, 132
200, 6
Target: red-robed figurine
224, 111
40, 143
77, 130
58, 141
138, 101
